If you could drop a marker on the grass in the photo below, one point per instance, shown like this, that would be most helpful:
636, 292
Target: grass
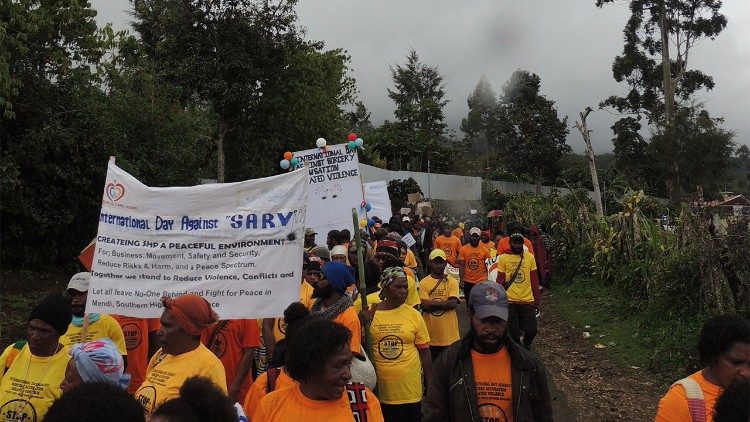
634, 334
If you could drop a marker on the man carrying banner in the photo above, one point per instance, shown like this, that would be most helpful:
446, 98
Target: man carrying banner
93, 326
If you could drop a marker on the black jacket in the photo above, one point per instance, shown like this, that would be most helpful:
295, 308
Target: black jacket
452, 394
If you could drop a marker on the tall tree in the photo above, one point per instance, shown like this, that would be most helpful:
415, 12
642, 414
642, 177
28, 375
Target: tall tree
482, 103
658, 77
532, 136
633, 159
221, 52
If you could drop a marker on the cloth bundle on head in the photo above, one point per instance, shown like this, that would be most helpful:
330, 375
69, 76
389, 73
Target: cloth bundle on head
339, 250
390, 248
55, 311
389, 274
100, 361
191, 311
339, 275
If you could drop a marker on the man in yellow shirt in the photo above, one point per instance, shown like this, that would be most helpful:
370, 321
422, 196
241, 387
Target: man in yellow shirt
182, 355
100, 325
439, 293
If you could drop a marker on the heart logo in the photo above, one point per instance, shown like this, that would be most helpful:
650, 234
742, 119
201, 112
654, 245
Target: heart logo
114, 191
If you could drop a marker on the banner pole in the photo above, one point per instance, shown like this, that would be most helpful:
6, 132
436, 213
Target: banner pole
362, 285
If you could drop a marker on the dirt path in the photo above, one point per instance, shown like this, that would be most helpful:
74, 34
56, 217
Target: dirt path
586, 384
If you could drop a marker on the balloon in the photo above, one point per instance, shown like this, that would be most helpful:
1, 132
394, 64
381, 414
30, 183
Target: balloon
321, 142
363, 223
368, 207
294, 162
288, 156
371, 222
285, 164
351, 145
352, 136
359, 142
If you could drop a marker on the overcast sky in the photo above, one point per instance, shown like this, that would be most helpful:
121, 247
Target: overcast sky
570, 44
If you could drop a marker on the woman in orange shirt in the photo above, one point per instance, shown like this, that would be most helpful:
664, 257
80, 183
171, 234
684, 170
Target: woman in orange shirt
724, 345
318, 357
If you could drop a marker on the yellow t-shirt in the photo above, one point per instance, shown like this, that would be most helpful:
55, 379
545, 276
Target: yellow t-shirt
473, 258
520, 289
441, 324
166, 373
371, 298
105, 327
396, 334
258, 391
289, 404
412, 295
411, 260
493, 383
674, 405
31, 384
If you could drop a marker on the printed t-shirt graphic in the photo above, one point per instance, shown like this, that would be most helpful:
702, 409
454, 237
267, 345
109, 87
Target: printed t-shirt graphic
396, 334
166, 374
228, 339
519, 290
259, 390
449, 245
474, 269
289, 404
105, 327
492, 377
135, 331
674, 405
31, 384
442, 325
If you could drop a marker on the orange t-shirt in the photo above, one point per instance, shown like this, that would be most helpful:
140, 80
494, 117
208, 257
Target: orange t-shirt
289, 404
475, 270
227, 339
673, 406
457, 232
503, 246
136, 332
258, 391
350, 320
489, 245
493, 383
449, 245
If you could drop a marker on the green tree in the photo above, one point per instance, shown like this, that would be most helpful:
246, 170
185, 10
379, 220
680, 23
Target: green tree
658, 78
743, 153
482, 103
531, 136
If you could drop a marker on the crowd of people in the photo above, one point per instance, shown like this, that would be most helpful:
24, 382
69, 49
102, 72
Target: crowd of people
390, 352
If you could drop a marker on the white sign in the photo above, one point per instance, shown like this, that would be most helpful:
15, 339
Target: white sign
409, 240
334, 187
376, 193
239, 245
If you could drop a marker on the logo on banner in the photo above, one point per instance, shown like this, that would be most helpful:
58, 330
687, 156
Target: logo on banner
114, 191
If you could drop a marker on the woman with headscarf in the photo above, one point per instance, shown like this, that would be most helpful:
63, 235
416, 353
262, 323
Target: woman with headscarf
31, 371
400, 349
95, 361
182, 355
388, 255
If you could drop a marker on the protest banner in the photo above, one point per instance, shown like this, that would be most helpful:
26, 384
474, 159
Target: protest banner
239, 245
334, 187
376, 193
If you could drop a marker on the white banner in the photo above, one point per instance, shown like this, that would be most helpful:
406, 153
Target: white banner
333, 189
376, 193
239, 245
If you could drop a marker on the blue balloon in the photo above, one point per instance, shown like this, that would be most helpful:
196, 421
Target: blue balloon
285, 164
359, 142
371, 222
368, 207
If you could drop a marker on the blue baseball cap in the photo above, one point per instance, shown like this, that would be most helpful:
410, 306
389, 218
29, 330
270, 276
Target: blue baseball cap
489, 299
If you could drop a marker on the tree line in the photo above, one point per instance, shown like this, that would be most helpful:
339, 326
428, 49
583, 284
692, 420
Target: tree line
220, 89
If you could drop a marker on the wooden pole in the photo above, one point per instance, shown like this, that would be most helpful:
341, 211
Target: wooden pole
362, 286
586, 133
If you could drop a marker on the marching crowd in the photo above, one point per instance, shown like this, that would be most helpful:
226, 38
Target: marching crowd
312, 363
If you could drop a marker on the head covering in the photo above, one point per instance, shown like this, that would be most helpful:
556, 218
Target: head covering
394, 236
55, 311
315, 263
339, 250
310, 232
321, 252
438, 253
79, 282
191, 311
489, 299
389, 274
475, 230
100, 361
516, 236
406, 219
339, 275
388, 247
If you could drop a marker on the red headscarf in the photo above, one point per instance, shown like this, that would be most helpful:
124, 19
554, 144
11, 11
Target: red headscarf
191, 311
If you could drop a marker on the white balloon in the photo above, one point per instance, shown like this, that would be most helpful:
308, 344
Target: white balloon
321, 142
